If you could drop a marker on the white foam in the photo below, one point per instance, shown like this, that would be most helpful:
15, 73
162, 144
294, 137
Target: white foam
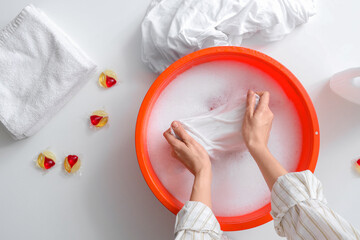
238, 186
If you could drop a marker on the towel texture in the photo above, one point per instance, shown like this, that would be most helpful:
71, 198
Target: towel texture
172, 29
220, 129
40, 70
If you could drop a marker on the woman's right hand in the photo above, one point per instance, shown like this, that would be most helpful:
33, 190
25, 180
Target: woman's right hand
257, 122
256, 130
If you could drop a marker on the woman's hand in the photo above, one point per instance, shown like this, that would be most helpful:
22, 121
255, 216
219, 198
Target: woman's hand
187, 150
257, 122
256, 130
195, 158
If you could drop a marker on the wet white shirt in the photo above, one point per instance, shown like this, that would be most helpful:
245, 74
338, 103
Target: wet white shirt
219, 130
298, 207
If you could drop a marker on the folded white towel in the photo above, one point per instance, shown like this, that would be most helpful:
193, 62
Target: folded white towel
220, 129
172, 29
40, 70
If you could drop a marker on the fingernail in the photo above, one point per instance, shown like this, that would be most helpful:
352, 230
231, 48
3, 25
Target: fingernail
175, 125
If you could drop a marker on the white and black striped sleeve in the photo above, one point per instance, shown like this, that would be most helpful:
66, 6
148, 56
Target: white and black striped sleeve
300, 210
196, 221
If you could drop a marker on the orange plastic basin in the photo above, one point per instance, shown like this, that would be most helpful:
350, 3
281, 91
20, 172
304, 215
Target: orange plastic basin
289, 83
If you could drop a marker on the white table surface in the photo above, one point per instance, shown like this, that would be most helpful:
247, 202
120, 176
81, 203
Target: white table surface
111, 199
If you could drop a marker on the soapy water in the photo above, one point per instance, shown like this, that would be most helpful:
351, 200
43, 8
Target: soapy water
238, 187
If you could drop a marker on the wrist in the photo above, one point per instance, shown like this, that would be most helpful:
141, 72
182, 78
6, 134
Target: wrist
260, 153
203, 173
258, 149
255, 146
201, 190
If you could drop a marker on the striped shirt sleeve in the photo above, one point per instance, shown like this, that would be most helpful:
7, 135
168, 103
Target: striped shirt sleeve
300, 210
196, 221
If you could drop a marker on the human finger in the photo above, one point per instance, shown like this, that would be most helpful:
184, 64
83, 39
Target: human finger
180, 131
173, 154
264, 100
250, 102
172, 140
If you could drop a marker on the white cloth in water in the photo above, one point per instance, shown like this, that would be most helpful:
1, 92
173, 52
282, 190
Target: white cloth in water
220, 129
40, 69
172, 29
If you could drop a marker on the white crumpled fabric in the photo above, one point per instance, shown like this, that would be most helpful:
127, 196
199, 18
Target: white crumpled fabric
172, 29
220, 129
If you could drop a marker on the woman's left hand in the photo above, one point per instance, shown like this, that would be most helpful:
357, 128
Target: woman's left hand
187, 150
195, 158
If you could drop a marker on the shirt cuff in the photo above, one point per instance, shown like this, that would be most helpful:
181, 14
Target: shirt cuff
291, 189
196, 216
